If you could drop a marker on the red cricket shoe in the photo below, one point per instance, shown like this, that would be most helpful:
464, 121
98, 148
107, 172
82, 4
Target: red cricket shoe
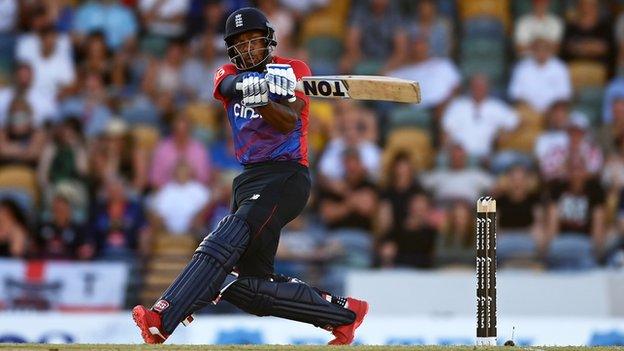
345, 333
150, 324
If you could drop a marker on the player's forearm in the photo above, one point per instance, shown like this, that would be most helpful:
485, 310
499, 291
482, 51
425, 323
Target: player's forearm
281, 117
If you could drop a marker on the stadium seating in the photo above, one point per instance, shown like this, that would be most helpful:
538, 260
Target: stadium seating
413, 141
587, 74
19, 177
485, 8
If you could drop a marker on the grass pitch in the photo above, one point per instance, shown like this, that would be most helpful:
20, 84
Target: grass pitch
113, 347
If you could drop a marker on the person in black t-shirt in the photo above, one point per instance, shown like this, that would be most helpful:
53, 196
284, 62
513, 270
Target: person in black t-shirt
520, 218
411, 242
576, 213
347, 208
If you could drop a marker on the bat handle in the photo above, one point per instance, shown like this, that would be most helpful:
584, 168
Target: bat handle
298, 87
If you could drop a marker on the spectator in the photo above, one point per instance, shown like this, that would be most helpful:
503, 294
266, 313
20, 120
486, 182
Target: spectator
64, 158
615, 90
589, 38
163, 78
351, 202
181, 203
95, 57
179, 146
521, 219
412, 242
613, 170
20, 142
50, 56
113, 154
376, 40
458, 183
198, 70
283, 22
576, 220
581, 146
355, 129
164, 18
110, 17
90, 105
437, 29
478, 121
14, 234
552, 145
539, 23
62, 238
438, 77
44, 107
118, 221
401, 186
347, 209
540, 79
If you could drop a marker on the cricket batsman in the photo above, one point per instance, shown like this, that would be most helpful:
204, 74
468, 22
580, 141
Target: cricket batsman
269, 121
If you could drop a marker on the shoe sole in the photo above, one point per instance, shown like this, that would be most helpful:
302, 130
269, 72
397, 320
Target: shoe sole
357, 325
138, 315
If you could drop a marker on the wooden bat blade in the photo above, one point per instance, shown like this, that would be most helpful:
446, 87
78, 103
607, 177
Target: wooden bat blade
361, 88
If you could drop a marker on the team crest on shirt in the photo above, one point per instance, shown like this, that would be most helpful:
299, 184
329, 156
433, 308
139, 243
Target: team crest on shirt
219, 74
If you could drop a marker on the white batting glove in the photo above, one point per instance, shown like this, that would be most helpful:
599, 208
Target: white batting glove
255, 90
282, 81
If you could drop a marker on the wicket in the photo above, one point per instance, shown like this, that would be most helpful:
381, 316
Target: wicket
486, 271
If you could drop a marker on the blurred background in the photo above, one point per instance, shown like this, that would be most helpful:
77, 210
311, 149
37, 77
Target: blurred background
115, 160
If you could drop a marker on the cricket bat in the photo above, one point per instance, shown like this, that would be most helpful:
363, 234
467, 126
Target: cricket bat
378, 88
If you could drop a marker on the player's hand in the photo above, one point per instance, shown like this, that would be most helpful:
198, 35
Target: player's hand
255, 90
282, 81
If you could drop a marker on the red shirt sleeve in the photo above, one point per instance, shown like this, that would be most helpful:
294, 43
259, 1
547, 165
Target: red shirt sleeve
301, 69
222, 72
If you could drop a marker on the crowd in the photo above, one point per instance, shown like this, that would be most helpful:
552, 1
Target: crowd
110, 136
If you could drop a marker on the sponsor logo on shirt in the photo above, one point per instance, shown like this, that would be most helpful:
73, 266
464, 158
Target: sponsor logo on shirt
241, 111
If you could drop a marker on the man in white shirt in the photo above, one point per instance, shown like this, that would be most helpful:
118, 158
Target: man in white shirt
164, 17
50, 56
537, 24
476, 121
540, 79
439, 78
351, 134
180, 202
44, 106
458, 183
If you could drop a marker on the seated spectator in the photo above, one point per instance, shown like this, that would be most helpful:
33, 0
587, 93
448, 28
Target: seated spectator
614, 91
90, 105
164, 77
478, 121
436, 28
412, 242
540, 79
551, 146
181, 203
355, 130
539, 23
179, 146
114, 19
613, 170
438, 77
347, 208
198, 70
576, 220
44, 106
401, 186
582, 147
64, 158
20, 141
164, 18
61, 237
284, 23
14, 236
113, 153
118, 222
520, 217
588, 37
458, 183
376, 40
95, 57
50, 56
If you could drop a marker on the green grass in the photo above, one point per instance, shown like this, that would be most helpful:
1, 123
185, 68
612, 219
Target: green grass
114, 347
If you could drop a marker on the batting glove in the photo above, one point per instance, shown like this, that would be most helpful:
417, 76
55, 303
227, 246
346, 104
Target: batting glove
255, 90
282, 81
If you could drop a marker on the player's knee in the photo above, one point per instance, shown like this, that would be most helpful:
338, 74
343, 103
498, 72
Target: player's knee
231, 235
245, 294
